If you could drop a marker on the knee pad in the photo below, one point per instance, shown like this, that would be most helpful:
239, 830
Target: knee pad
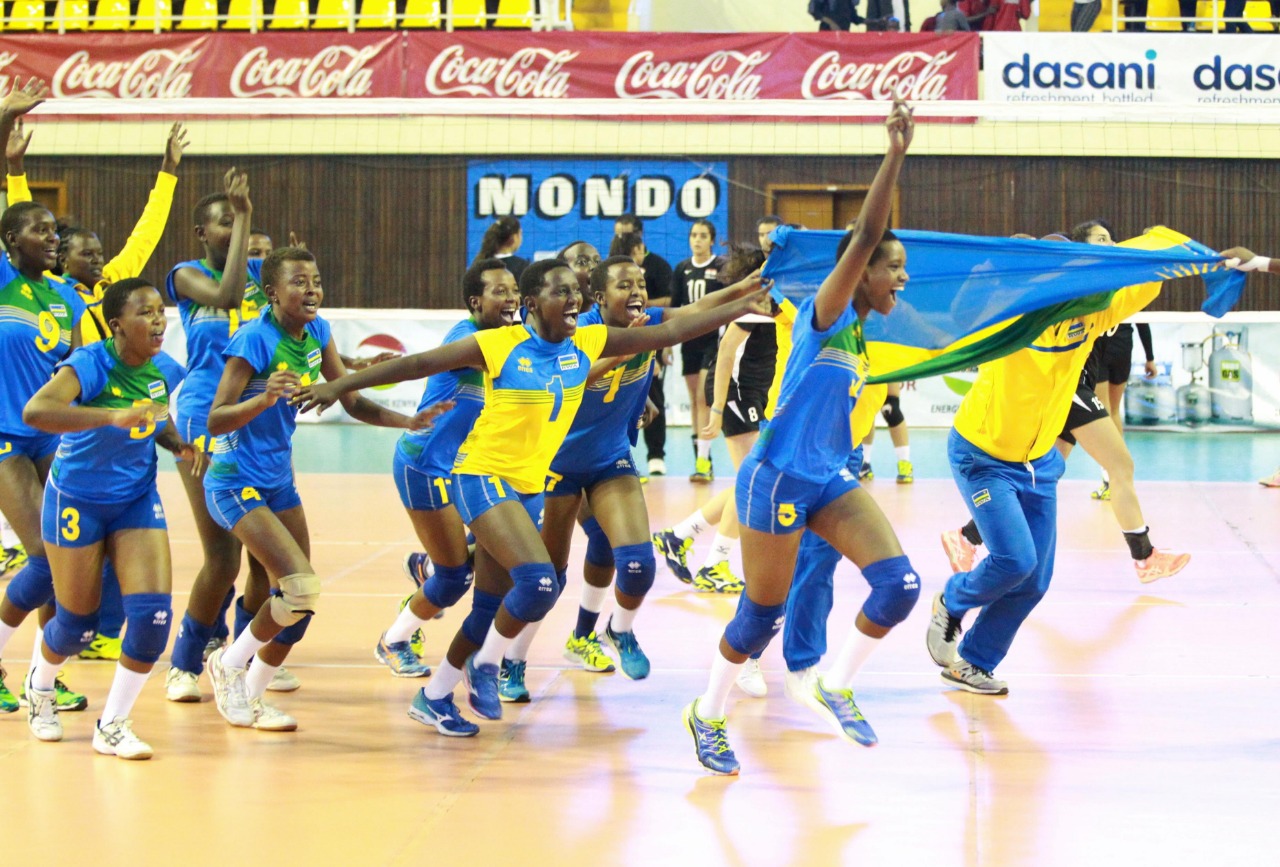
754, 626
562, 581
32, 586
299, 596
484, 606
636, 568
67, 634
895, 587
111, 614
291, 635
243, 618
598, 551
449, 584
149, 616
188, 649
220, 625
537, 587
892, 411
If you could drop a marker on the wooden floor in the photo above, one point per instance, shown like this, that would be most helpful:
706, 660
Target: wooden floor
1140, 726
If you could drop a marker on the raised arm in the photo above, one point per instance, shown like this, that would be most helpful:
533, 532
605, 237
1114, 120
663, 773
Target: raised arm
15, 149
836, 292
146, 234
623, 341
1250, 261
52, 408
228, 293
18, 102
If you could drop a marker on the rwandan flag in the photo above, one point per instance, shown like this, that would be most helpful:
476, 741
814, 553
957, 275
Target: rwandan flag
971, 298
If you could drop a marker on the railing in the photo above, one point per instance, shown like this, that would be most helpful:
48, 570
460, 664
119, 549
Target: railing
1215, 19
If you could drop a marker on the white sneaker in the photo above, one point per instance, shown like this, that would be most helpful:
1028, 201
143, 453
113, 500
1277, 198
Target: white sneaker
751, 679
269, 719
229, 691
798, 685
183, 686
284, 680
117, 739
42, 712
657, 467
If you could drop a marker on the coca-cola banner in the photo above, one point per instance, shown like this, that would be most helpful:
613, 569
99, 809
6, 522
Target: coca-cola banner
518, 64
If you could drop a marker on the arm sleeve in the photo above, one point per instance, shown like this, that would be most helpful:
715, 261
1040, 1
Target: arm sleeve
142, 242
18, 189
1144, 334
88, 369
591, 340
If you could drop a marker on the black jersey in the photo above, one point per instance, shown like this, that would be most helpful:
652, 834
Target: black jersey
759, 355
689, 284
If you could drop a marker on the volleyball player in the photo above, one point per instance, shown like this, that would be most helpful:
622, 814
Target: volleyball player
583, 259
897, 424
110, 402
693, 278
423, 468
501, 241
535, 374
260, 244
39, 326
250, 488
797, 476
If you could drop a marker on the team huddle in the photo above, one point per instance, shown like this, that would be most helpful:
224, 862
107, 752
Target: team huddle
525, 429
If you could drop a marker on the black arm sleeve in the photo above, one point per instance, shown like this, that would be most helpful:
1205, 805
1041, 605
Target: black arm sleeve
1144, 334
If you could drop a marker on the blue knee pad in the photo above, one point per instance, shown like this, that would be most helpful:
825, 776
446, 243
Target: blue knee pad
243, 618
754, 626
895, 587
67, 634
636, 568
598, 551
110, 609
562, 580
537, 587
188, 649
149, 616
291, 635
32, 586
484, 607
220, 625
447, 585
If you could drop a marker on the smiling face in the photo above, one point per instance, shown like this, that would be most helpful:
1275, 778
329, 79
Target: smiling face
139, 329
624, 297
700, 242
296, 293
84, 258
215, 231
884, 278
500, 301
36, 242
553, 312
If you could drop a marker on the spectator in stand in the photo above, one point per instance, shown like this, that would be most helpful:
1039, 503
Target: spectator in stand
950, 19
835, 14
1232, 9
501, 241
1135, 9
1010, 15
979, 12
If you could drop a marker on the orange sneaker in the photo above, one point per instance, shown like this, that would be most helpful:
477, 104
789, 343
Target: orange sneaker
1161, 564
960, 551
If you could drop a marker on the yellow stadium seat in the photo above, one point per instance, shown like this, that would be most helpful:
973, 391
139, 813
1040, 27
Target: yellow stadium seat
332, 15
377, 15
1257, 9
1163, 9
522, 8
290, 15
199, 15
111, 15
243, 15
466, 13
148, 12
421, 13
25, 15
72, 14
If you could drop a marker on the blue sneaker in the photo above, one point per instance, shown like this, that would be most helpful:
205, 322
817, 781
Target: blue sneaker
511, 686
442, 715
482, 688
844, 713
417, 568
635, 664
400, 658
710, 741
675, 551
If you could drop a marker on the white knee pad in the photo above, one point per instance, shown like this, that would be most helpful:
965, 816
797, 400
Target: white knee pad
299, 596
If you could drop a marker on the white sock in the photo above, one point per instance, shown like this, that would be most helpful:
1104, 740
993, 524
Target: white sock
406, 624
703, 449
6, 632
35, 648
495, 643
46, 672
721, 548
260, 674
1143, 529
519, 649
8, 538
692, 526
443, 682
903, 453
723, 673
125, 689
242, 650
866, 453
857, 648
623, 619
1106, 477
593, 597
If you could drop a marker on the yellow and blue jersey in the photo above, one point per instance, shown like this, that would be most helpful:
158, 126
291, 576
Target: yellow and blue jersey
109, 464
532, 391
209, 330
809, 435
605, 427
260, 454
433, 450
36, 323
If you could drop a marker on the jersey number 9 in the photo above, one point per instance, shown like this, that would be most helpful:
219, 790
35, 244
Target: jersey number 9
50, 331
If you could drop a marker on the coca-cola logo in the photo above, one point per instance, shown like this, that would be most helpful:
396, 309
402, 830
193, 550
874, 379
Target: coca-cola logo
155, 74
531, 72
6, 80
719, 75
337, 70
913, 75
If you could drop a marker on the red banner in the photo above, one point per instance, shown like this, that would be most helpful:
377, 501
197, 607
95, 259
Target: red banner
517, 64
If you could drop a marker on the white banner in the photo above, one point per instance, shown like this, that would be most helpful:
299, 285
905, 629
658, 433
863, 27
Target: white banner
1119, 68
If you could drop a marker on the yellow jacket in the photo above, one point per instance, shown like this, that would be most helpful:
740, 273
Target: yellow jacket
129, 262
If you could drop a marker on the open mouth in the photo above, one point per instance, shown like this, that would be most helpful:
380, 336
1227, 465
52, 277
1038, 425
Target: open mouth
635, 309
310, 306
571, 318
509, 316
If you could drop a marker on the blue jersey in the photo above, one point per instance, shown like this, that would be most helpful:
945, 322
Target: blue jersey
605, 427
260, 454
109, 464
209, 329
809, 435
37, 319
433, 451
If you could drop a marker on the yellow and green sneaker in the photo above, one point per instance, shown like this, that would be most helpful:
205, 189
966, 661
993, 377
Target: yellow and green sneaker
416, 641
587, 653
12, 560
103, 647
8, 701
64, 698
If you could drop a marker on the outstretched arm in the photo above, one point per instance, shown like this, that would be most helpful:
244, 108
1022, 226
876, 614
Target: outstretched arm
146, 234
358, 407
712, 300
623, 341
51, 409
1250, 261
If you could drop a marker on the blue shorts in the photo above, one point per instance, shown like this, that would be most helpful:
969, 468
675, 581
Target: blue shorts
568, 484
228, 507
70, 522
195, 431
418, 490
771, 501
33, 446
478, 494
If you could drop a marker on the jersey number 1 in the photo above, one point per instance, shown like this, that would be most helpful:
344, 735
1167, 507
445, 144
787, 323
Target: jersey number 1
556, 387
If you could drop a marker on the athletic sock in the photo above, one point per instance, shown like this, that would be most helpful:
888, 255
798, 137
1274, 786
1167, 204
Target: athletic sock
1106, 477
406, 624
703, 449
1139, 543
6, 632
443, 682
970, 532
623, 619
38, 641
903, 453
710, 705
589, 610
721, 547
491, 651
692, 526
857, 648
260, 674
242, 650
866, 453
45, 673
126, 686
519, 649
